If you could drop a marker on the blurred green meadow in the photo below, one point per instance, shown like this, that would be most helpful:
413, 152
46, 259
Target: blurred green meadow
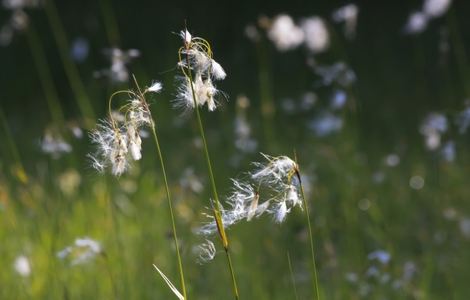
377, 119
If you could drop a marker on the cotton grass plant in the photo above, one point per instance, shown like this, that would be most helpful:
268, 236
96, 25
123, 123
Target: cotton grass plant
118, 143
273, 188
196, 89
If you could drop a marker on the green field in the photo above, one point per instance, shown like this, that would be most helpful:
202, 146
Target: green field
377, 123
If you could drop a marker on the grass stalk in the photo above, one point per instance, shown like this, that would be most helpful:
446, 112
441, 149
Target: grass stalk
216, 206
292, 276
167, 190
110, 23
20, 172
267, 106
45, 76
71, 70
310, 235
153, 128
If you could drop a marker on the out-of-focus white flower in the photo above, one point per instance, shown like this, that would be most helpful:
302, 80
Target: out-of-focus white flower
433, 126
326, 124
464, 225
20, 4
79, 49
55, 145
392, 160
436, 8
285, 34
69, 181
118, 71
417, 23
338, 73
448, 151
82, 251
416, 182
243, 140
381, 256
22, 266
348, 15
316, 36
189, 180
463, 120
339, 99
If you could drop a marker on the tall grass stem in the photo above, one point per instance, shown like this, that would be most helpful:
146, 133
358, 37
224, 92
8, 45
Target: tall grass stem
70, 68
167, 190
216, 207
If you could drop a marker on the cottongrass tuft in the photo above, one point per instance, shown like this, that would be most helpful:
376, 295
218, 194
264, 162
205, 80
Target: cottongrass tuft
199, 71
118, 137
273, 188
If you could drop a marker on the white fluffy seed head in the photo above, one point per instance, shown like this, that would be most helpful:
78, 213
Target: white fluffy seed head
135, 142
186, 36
217, 71
274, 171
293, 196
281, 212
118, 155
155, 87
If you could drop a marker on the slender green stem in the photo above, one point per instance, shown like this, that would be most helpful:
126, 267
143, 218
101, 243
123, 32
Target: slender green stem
310, 235
20, 171
167, 190
267, 107
216, 197
232, 273
110, 275
292, 275
110, 23
45, 76
71, 71
114, 222
458, 46
216, 207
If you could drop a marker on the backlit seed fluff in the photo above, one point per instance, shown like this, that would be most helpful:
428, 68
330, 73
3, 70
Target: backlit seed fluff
217, 71
135, 142
199, 70
155, 87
